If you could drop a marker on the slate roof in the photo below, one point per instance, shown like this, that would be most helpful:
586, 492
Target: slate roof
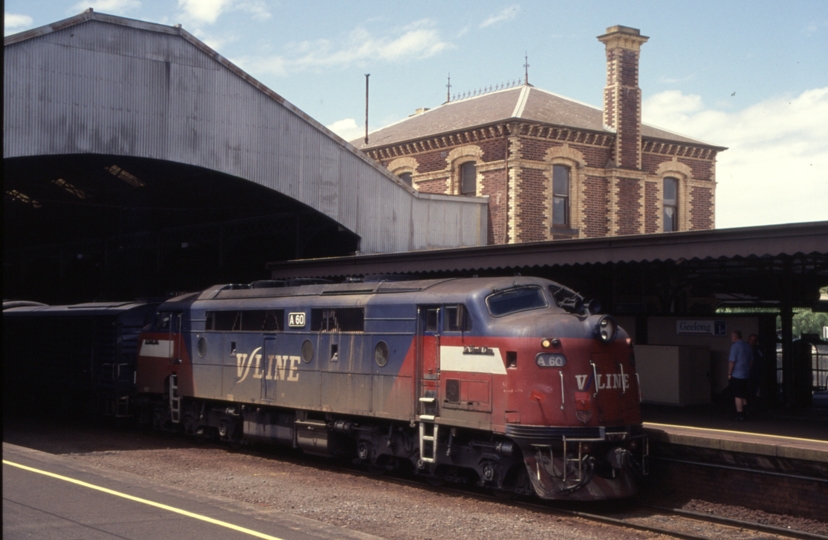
519, 103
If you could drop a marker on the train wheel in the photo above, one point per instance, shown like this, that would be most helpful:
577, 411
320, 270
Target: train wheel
189, 424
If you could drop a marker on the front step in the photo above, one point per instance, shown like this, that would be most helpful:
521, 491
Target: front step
175, 400
428, 438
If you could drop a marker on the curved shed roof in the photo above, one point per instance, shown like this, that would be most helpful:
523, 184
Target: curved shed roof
107, 85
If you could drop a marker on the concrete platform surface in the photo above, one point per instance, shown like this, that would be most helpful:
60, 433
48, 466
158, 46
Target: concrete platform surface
48, 497
801, 435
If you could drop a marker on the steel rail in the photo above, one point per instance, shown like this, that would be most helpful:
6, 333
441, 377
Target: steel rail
738, 523
741, 469
545, 506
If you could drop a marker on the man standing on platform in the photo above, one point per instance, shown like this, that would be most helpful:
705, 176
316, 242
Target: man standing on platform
738, 373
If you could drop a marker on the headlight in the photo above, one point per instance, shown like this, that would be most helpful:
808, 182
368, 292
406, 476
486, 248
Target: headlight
606, 329
550, 360
548, 343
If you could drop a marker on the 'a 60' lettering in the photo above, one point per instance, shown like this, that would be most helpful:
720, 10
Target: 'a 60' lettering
296, 320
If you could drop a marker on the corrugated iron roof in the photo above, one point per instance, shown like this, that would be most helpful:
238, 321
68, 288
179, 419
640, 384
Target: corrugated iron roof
723, 244
658, 273
520, 103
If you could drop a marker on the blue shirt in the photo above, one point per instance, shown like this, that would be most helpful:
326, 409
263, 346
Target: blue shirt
742, 355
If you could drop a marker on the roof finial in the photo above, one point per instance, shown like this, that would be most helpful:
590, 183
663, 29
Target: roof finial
448, 89
526, 68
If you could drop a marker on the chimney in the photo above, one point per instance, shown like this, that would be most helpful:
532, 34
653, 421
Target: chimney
622, 96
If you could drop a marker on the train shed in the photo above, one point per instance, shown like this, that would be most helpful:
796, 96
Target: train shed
139, 161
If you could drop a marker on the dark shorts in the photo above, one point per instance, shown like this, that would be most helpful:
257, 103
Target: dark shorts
740, 388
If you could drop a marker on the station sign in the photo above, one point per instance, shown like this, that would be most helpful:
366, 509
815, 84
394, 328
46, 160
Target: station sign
701, 328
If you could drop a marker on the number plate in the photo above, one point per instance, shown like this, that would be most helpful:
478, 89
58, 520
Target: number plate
296, 320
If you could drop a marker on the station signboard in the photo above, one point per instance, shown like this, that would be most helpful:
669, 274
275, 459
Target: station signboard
701, 328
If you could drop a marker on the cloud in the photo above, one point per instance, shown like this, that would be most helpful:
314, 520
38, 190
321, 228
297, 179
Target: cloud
107, 6
208, 11
776, 167
418, 40
664, 79
215, 42
506, 14
204, 11
815, 27
14, 22
347, 129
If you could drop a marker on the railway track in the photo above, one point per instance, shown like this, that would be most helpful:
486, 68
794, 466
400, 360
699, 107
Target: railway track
618, 516
668, 522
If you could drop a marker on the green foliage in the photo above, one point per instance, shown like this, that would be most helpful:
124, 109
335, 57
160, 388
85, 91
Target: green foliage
808, 322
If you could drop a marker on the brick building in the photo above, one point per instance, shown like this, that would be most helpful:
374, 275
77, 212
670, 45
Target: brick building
554, 168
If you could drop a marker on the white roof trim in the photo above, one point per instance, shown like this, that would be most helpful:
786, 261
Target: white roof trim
521, 102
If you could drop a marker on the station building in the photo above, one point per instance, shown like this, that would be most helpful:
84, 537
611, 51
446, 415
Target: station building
554, 168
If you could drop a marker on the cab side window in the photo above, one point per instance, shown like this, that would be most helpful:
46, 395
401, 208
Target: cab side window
456, 319
162, 321
432, 316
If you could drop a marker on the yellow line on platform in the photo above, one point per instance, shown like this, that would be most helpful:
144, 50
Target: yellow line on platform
145, 501
648, 424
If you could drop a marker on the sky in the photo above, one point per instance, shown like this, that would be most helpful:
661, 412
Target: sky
749, 75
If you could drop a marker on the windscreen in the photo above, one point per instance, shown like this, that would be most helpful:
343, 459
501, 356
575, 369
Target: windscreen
514, 300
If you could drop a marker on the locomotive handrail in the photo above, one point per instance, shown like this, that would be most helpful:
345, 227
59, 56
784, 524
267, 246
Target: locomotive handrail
623, 382
640, 395
595, 373
560, 372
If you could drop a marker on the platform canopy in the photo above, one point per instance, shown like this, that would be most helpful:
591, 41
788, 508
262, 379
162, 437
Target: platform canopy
682, 272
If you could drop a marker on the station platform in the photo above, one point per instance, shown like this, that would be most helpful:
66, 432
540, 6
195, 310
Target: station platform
798, 435
776, 461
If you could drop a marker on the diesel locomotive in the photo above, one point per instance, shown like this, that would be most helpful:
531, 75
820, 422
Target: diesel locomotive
512, 383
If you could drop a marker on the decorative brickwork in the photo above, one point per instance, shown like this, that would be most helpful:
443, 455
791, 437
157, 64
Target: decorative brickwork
532, 206
596, 217
457, 157
574, 160
701, 216
616, 170
432, 161
622, 97
629, 206
535, 149
493, 150
432, 186
652, 208
594, 156
684, 175
702, 169
402, 165
494, 185
651, 162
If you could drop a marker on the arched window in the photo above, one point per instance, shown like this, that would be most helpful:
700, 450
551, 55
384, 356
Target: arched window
405, 177
670, 216
468, 178
560, 196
